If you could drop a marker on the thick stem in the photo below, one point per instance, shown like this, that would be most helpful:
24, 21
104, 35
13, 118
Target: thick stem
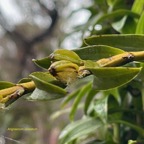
16, 91
8, 91
117, 60
121, 59
29, 86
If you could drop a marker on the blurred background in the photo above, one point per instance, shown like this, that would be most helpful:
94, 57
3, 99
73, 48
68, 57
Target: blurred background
32, 29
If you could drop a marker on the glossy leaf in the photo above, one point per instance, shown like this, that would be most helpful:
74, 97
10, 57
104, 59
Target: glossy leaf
63, 54
46, 82
110, 77
79, 128
5, 84
97, 52
126, 42
24, 80
43, 63
44, 76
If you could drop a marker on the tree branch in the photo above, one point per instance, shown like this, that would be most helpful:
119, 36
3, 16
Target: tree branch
13, 93
54, 17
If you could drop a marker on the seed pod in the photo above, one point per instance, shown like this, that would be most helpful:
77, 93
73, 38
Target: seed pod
64, 71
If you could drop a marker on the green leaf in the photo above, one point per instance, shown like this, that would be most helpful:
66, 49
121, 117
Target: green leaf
5, 84
75, 88
111, 77
41, 95
119, 24
130, 26
117, 13
139, 129
127, 42
79, 128
96, 52
115, 93
84, 90
140, 25
114, 15
100, 108
24, 80
89, 99
63, 54
138, 6
70, 97
43, 63
61, 112
46, 82
127, 25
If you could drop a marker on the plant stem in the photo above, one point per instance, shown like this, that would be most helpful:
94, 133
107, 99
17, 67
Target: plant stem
29, 86
116, 133
121, 59
16, 91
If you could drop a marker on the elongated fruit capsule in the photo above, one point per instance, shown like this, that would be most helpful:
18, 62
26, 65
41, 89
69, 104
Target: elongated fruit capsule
65, 71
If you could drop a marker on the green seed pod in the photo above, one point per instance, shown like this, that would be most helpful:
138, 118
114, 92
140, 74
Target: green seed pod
64, 71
